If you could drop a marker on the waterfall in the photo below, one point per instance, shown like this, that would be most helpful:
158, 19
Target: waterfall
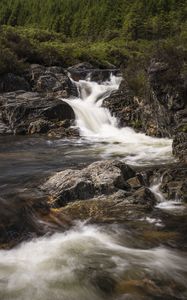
174, 205
96, 124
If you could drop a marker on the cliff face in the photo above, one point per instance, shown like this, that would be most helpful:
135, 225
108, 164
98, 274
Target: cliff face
162, 111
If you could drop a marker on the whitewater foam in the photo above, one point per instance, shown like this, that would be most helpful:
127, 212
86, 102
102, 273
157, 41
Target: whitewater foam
96, 124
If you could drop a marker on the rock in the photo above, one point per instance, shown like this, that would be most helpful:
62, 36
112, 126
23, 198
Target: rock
18, 219
61, 130
83, 70
39, 126
143, 195
22, 112
101, 180
37, 108
167, 87
56, 83
123, 105
105, 209
166, 94
134, 182
52, 80
11, 82
174, 183
179, 146
81, 66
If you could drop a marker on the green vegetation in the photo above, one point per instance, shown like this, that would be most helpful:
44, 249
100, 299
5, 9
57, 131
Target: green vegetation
93, 19
65, 32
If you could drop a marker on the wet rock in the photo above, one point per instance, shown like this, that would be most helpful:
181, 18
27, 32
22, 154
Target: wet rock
180, 146
23, 112
166, 94
168, 87
53, 80
61, 129
99, 178
11, 82
174, 183
18, 219
103, 180
56, 83
39, 126
134, 182
115, 207
144, 196
124, 106
140, 288
83, 70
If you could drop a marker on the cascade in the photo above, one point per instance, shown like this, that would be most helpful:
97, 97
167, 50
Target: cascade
96, 124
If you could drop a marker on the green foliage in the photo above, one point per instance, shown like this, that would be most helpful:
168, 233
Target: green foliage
172, 52
9, 61
65, 32
97, 19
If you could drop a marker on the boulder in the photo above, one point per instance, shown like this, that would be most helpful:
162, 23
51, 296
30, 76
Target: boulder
101, 180
174, 183
83, 70
22, 112
53, 80
104, 209
18, 219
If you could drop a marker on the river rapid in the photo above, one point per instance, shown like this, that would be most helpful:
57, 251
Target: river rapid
92, 262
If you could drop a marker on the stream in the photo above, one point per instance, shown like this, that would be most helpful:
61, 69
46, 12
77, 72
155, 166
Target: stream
92, 262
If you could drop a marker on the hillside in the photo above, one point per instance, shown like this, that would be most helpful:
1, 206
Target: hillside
93, 19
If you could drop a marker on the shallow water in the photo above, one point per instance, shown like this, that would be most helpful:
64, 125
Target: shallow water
90, 262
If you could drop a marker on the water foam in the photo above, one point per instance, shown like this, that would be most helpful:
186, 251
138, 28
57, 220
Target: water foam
96, 124
66, 266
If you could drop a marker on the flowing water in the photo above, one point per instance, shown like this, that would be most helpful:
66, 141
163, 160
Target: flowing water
90, 262
98, 125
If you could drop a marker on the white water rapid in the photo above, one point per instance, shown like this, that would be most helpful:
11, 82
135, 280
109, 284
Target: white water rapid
97, 125
175, 205
83, 264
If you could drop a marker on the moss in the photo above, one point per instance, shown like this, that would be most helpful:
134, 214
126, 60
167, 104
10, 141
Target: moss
137, 124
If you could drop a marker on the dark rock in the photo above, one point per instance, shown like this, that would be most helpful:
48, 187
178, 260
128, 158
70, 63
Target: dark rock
51, 80
21, 112
134, 182
56, 83
11, 82
83, 70
105, 208
180, 146
174, 183
63, 129
161, 111
167, 86
101, 180
81, 66
144, 196
18, 221
39, 126
121, 104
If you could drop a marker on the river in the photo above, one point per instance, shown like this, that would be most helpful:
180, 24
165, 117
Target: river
90, 262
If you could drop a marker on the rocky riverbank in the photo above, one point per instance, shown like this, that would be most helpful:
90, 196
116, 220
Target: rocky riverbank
161, 110
106, 191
